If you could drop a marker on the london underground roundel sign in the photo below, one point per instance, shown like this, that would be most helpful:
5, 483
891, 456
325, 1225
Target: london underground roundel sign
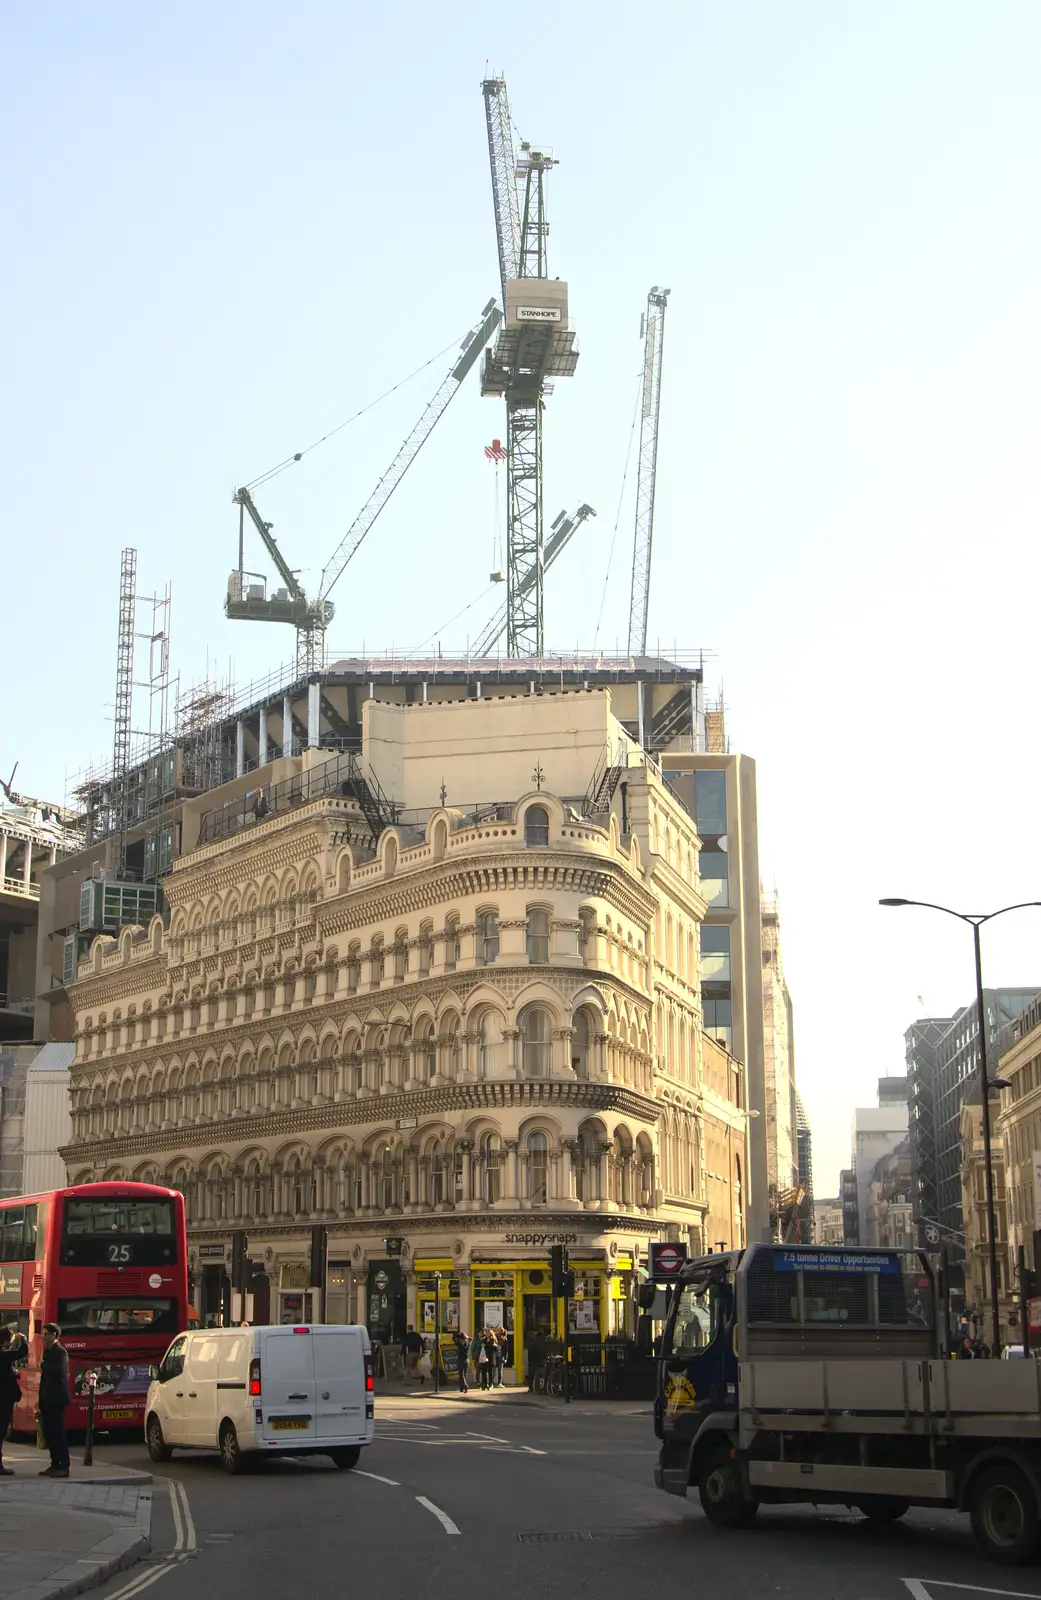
666, 1260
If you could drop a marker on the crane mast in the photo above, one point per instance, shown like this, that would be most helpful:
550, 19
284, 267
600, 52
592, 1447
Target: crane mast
653, 335
534, 345
560, 533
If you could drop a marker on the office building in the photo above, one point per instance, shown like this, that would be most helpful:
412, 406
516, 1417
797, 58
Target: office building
446, 1035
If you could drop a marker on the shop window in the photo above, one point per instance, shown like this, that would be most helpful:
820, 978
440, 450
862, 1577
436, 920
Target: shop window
487, 931
538, 937
536, 826
536, 1042
538, 1169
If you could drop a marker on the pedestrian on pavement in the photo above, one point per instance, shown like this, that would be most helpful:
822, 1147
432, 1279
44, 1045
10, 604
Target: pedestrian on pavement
13, 1347
411, 1350
498, 1355
486, 1359
475, 1352
462, 1351
54, 1399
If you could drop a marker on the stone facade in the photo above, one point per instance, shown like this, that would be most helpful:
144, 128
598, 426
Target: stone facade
476, 1036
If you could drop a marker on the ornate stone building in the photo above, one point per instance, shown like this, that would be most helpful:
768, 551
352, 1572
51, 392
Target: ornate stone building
471, 1032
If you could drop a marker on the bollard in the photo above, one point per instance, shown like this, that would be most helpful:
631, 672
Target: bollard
88, 1443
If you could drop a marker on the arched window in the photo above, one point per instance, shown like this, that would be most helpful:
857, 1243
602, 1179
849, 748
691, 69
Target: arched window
536, 826
581, 1043
536, 1042
426, 945
451, 943
538, 1169
400, 955
587, 1169
491, 1157
487, 938
489, 1044
353, 967
426, 1052
376, 962
436, 1157
538, 937
383, 1177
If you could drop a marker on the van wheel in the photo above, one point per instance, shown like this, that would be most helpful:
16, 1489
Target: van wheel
721, 1492
158, 1449
231, 1457
883, 1508
1003, 1509
346, 1457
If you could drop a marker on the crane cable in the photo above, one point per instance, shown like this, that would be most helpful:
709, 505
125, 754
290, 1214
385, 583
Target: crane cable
618, 514
289, 461
468, 607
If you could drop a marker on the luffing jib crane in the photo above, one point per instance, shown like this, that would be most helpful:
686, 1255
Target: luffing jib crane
311, 618
653, 335
534, 345
561, 531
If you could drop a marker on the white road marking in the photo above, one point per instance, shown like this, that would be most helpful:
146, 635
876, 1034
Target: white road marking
393, 1482
442, 1516
918, 1590
189, 1525
491, 1437
175, 1508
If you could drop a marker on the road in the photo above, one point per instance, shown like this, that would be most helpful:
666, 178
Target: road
465, 1501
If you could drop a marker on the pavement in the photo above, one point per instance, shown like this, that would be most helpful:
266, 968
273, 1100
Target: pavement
59, 1537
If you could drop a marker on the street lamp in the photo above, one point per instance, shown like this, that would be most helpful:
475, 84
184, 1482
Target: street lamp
976, 919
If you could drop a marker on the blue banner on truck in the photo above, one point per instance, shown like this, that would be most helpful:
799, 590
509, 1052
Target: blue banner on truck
834, 1261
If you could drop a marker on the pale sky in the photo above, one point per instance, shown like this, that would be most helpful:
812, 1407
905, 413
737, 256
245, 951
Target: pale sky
228, 226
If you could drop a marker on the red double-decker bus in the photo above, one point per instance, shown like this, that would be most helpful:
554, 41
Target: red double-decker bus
108, 1263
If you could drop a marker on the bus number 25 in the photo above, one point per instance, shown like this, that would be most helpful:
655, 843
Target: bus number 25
119, 1252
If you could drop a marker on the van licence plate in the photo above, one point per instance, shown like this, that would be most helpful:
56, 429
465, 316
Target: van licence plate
285, 1424
118, 1416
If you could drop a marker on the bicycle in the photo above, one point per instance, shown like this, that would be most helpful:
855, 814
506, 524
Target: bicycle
554, 1377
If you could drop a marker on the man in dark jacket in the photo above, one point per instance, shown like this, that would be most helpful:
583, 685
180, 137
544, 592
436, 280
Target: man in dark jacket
462, 1352
12, 1348
53, 1400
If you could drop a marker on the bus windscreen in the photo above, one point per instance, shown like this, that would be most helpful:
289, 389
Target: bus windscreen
117, 1232
117, 1314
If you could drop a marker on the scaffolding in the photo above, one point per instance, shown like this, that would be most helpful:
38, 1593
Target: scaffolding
199, 721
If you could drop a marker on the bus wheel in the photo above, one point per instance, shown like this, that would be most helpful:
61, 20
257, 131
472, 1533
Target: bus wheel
722, 1494
1003, 1509
158, 1449
231, 1457
883, 1508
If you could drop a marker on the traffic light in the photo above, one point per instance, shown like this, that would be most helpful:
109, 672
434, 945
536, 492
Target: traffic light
568, 1287
557, 1268
238, 1259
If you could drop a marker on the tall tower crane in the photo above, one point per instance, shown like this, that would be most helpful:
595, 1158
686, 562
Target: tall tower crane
534, 345
653, 330
250, 602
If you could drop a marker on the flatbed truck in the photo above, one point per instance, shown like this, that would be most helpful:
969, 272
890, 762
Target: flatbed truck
795, 1374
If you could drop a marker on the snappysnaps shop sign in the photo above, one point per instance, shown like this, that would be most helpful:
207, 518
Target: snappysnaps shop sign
841, 1262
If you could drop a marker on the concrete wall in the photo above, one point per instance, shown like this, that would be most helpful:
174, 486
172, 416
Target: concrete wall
487, 749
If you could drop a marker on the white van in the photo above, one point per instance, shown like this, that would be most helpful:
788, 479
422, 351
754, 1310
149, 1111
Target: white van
263, 1391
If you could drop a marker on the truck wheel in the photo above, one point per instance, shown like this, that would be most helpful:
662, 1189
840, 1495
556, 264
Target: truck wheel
231, 1457
883, 1508
158, 1449
722, 1494
346, 1456
1003, 1509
